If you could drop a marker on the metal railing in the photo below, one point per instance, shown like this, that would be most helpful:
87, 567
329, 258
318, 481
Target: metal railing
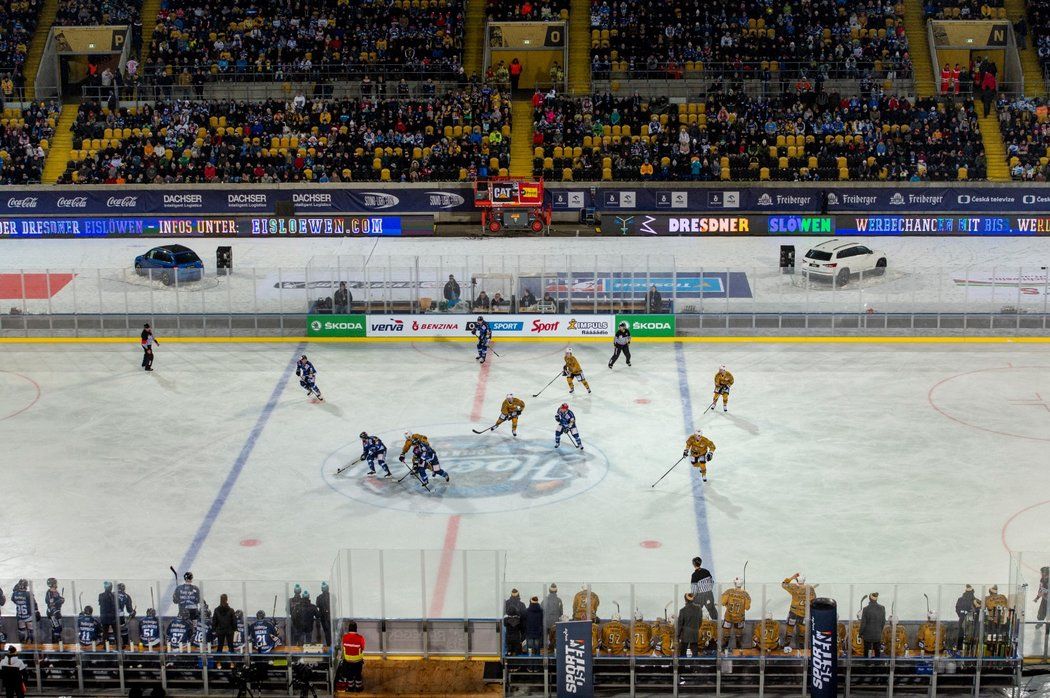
276, 301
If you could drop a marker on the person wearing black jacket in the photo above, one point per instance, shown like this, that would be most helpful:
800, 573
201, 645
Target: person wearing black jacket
324, 613
872, 623
11, 673
224, 624
342, 299
687, 630
621, 344
513, 623
964, 608
451, 291
654, 302
147, 340
107, 611
702, 584
303, 621
534, 626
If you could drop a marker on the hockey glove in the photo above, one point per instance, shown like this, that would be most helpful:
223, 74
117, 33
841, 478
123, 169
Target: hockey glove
685, 453
401, 458
710, 457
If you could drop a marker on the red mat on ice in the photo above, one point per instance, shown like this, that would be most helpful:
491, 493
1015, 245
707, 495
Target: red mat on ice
32, 286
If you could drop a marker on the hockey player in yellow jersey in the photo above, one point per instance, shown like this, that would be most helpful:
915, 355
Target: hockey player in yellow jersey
572, 370
766, 634
802, 595
995, 606
615, 637
641, 637
898, 646
853, 643
410, 441
708, 635
596, 636
723, 382
736, 602
511, 409
585, 605
663, 638
700, 450
930, 637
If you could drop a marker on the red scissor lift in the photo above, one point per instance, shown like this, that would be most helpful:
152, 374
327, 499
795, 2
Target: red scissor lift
511, 204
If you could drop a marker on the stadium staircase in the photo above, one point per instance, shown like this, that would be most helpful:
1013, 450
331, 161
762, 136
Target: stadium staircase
579, 68
1031, 69
61, 145
521, 138
36, 47
919, 48
994, 152
473, 38
150, 10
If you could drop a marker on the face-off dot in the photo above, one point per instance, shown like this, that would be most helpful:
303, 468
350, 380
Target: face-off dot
642, 401
250, 542
651, 544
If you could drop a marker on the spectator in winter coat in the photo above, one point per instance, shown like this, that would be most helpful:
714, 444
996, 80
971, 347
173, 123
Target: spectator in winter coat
11, 673
964, 607
687, 630
513, 623
872, 622
324, 613
303, 621
653, 301
553, 609
451, 291
342, 299
534, 626
527, 299
224, 624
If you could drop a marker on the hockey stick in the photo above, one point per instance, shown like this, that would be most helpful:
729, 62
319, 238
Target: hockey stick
353, 462
745, 574
152, 600
560, 375
172, 568
925, 596
412, 471
668, 472
274, 616
492, 428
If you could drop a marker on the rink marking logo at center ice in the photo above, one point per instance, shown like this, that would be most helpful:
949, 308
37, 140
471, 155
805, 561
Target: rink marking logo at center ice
491, 473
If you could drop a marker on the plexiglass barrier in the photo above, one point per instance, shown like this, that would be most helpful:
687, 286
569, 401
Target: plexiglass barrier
276, 300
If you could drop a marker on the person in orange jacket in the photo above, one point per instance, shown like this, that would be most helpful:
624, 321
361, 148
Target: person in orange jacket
349, 677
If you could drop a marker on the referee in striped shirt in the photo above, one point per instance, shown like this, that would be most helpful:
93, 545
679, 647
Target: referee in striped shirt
703, 588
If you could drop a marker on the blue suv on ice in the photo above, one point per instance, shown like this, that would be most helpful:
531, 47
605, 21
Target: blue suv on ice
170, 263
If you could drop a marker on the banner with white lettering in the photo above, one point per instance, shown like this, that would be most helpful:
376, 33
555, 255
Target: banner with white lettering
823, 642
575, 659
502, 325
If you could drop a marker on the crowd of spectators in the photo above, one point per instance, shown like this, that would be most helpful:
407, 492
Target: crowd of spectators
274, 37
675, 39
1038, 25
964, 9
92, 12
527, 10
458, 136
25, 134
1026, 136
17, 23
808, 136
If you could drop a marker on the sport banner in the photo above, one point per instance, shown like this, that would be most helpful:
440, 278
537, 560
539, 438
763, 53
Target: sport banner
823, 642
439, 325
574, 659
335, 326
648, 325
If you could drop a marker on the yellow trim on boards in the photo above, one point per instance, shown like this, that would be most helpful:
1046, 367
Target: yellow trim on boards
561, 340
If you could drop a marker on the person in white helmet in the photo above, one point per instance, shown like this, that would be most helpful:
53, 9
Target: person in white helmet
723, 382
736, 602
572, 370
802, 596
930, 637
700, 450
511, 409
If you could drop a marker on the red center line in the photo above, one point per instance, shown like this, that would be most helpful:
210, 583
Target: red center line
437, 604
479, 393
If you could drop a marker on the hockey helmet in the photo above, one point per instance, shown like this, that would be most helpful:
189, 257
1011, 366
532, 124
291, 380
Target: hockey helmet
22, 584
52, 582
363, 434
564, 406
510, 396
802, 579
623, 324
151, 612
994, 589
481, 319
121, 587
769, 615
260, 614
699, 432
188, 576
88, 610
931, 616
737, 582
568, 351
722, 368
638, 615
303, 357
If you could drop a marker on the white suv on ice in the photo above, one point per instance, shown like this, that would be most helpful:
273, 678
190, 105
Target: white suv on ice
838, 259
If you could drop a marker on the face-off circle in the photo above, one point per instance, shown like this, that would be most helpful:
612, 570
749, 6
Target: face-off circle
491, 473
17, 394
1006, 401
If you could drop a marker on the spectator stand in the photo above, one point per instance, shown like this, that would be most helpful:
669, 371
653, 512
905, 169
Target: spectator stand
512, 205
965, 51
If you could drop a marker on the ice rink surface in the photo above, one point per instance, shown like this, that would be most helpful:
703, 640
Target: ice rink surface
851, 463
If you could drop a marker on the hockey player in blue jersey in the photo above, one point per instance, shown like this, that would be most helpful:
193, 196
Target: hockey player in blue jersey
484, 334
179, 630
238, 635
566, 423
424, 457
53, 600
149, 629
188, 598
202, 635
307, 376
89, 629
263, 634
125, 612
373, 451
25, 611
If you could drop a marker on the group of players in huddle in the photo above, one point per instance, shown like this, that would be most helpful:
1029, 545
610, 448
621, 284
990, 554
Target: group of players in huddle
699, 449
666, 637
